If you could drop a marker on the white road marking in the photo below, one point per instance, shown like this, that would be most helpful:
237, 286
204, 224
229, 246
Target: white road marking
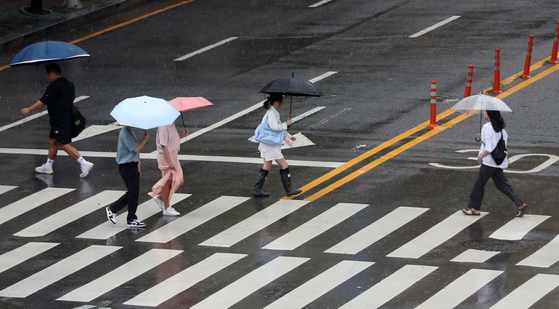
95, 130
250, 283
474, 256
517, 228
320, 285
244, 112
435, 236
23, 253
377, 230
529, 293
35, 116
121, 275
31, 202
435, 26
145, 210
544, 257
389, 287
57, 271
153, 156
460, 289
193, 219
180, 282
316, 226
319, 3
206, 48
70, 214
254, 223
4, 189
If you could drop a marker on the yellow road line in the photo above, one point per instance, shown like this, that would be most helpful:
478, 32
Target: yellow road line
406, 146
121, 25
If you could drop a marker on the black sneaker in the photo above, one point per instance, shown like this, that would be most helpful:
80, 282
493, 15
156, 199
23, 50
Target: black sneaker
110, 215
135, 223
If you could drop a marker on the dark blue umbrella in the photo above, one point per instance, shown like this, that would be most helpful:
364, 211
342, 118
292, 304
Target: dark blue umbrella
48, 51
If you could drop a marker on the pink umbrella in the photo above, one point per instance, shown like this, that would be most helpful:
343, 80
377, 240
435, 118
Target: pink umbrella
183, 104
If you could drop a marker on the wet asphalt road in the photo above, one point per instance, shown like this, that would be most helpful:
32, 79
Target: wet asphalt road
380, 91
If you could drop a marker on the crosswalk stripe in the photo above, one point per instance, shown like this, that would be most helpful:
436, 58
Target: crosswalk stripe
30, 202
320, 285
70, 214
121, 275
180, 282
517, 228
435, 236
254, 223
145, 210
460, 289
544, 257
57, 271
315, 226
529, 293
474, 256
23, 253
389, 287
377, 230
250, 283
193, 219
4, 189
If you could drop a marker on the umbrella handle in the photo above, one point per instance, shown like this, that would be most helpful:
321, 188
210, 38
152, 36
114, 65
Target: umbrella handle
183, 121
477, 140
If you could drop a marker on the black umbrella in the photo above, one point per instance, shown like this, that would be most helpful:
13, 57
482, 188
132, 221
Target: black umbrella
293, 87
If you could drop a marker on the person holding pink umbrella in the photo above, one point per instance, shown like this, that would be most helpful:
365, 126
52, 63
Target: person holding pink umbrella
168, 142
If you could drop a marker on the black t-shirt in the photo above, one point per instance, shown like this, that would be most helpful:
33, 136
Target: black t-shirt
59, 99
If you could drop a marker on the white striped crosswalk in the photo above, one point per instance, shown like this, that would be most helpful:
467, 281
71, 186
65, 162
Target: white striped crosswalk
309, 288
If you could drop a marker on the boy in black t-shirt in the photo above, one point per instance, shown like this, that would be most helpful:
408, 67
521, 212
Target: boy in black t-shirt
59, 99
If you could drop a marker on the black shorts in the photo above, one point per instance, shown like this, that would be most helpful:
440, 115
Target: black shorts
63, 136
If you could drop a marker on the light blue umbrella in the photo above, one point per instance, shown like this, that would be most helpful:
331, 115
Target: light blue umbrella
48, 51
145, 113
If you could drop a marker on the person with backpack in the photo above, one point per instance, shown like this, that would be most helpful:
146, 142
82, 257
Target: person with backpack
491, 133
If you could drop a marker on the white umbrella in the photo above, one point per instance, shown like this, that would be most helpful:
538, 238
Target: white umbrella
144, 113
481, 102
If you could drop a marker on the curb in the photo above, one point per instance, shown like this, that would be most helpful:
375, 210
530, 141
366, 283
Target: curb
44, 31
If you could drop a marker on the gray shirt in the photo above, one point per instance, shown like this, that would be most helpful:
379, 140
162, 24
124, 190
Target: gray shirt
127, 142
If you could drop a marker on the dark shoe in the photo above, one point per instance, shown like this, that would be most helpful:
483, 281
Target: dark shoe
260, 179
110, 215
471, 213
135, 223
286, 180
522, 211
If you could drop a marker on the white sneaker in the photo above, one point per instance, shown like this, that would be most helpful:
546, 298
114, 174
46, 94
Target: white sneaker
159, 202
170, 212
110, 215
135, 223
85, 169
43, 169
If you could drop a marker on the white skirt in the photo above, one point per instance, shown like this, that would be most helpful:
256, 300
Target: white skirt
269, 152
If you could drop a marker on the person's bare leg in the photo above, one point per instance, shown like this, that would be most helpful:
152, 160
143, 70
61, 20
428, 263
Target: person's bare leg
71, 151
282, 163
267, 165
53, 148
164, 195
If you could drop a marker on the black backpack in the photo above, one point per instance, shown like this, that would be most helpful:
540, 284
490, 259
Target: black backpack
78, 122
500, 152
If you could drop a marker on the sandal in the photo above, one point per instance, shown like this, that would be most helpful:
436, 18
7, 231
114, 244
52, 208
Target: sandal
521, 211
471, 213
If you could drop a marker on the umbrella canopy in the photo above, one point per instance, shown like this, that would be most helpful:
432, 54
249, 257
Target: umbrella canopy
292, 86
481, 102
183, 104
48, 51
144, 112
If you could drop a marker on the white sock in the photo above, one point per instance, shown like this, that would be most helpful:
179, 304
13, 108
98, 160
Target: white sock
49, 162
81, 161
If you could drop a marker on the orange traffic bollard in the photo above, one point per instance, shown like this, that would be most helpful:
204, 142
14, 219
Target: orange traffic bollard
528, 59
497, 79
469, 81
433, 122
554, 52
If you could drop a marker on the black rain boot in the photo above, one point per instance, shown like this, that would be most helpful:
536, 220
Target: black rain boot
286, 180
260, 179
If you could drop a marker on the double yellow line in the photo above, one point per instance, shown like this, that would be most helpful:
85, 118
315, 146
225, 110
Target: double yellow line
411, 143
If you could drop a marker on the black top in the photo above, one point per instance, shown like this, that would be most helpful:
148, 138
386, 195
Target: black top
59, 99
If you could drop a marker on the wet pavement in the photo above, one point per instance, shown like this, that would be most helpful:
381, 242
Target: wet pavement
382, 230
